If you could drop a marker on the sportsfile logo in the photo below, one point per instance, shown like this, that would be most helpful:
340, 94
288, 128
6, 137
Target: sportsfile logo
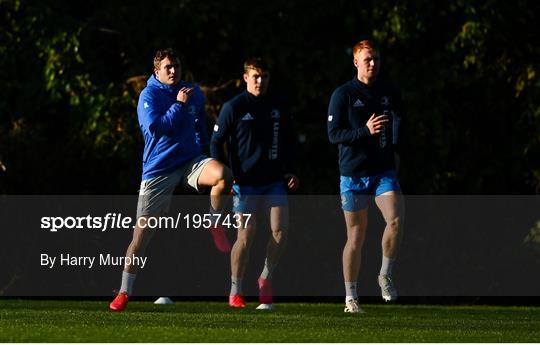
109, 221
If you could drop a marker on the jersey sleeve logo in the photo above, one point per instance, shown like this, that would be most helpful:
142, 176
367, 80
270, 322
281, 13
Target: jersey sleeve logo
216, 128
330, 118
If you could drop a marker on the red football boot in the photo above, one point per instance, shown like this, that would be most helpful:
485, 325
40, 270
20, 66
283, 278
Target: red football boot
265, 291
237, 301
220, 239
120, 302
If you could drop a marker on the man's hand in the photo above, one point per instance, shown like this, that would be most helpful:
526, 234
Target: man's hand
292, 181
376, 124
183, 94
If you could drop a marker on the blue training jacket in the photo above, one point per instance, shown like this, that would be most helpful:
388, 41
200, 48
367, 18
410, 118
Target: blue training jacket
360, 153
173, 133
259, 134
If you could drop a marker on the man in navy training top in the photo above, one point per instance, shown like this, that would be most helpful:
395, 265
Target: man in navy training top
172, 120
259, 137
364, 120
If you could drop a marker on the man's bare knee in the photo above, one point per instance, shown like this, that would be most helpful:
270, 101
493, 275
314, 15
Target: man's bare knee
245, 235
244, 242
355, 244
394, 224
279, 236
142, 233
224, 178
220, 175
355, 237
215, 174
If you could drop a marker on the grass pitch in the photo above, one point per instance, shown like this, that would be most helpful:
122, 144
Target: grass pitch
90, 321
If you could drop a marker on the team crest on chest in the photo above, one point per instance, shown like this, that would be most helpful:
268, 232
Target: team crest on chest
274, 114
385, 101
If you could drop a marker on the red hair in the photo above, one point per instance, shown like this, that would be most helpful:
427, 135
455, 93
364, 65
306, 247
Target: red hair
365, 44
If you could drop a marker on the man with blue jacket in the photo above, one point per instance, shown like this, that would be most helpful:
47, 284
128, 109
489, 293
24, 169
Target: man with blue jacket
172, 120
364, 118
257, 129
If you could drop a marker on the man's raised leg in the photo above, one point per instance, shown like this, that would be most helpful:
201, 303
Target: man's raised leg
219, 178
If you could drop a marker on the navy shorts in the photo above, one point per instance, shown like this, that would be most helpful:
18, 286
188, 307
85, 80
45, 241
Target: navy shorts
355, 191
248, 199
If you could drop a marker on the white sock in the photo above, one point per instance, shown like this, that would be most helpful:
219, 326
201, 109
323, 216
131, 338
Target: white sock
350, 291
236, 286
127, 282
268, 269
386, 266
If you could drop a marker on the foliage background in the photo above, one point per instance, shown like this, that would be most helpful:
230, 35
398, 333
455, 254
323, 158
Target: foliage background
469, 70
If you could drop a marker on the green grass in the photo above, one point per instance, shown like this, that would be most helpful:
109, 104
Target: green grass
90, 321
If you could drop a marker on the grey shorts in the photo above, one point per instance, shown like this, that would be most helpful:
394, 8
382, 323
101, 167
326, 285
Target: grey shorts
155, 193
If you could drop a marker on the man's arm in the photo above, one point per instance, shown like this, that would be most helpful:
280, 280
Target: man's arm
339, 131
158, 124
220, 133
